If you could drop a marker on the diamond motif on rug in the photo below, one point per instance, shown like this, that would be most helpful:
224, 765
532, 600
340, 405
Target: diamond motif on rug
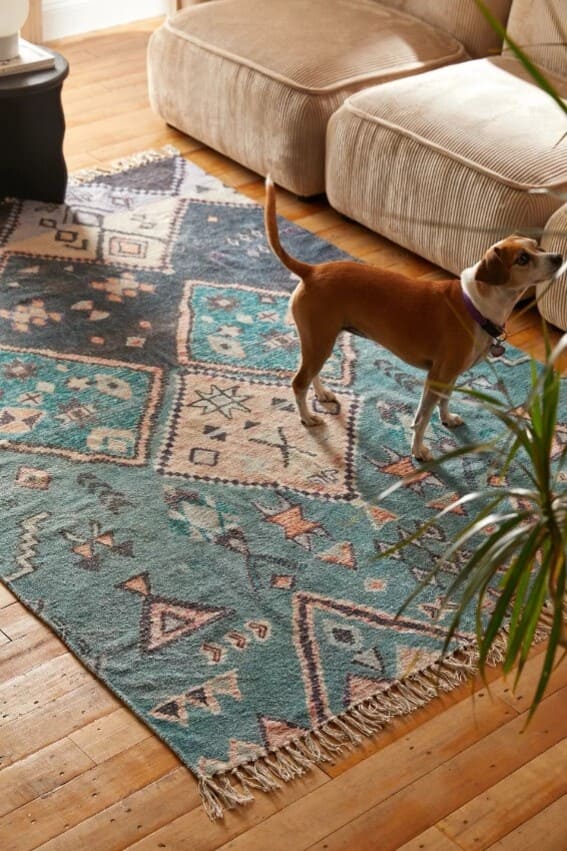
140, 239
242, 432
77, 407
214, 331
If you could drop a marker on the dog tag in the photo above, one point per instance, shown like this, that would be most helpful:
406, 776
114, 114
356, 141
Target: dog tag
497, 349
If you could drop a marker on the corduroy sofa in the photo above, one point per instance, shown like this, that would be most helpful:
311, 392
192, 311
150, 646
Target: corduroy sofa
448, 162
404, 111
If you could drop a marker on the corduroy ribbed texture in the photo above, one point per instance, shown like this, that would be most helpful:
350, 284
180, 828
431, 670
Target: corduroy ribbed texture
259, 81
552, 299
422, 199
540, 28
449, 162
462, 19
482, 113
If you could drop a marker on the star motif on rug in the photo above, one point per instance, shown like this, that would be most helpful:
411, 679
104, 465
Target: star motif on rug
403, 467
220, 401
295, 526
124, 287
24, 317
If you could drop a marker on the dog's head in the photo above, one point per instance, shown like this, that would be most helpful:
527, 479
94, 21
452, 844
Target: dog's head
517, 263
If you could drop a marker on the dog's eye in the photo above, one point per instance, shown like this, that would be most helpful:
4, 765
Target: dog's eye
523, 259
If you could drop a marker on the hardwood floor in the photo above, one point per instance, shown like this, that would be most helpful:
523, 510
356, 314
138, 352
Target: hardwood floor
78, 771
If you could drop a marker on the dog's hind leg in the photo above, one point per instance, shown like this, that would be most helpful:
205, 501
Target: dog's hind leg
308, 373
323, 393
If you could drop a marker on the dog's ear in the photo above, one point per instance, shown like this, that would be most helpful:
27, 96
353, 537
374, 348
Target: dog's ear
493, 269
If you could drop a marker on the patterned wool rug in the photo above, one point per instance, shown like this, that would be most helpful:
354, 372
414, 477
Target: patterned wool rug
211, 560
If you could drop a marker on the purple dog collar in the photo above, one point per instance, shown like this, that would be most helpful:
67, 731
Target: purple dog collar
495, 331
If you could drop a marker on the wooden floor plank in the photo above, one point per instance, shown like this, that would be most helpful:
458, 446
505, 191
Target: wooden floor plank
6, 596
111, 734
544, 832
16, 621
54, 720
432, 797
135, 816
22, 654
40, 773
521, 695
431, 839
207, 835
505, 806
23, 695
92, 791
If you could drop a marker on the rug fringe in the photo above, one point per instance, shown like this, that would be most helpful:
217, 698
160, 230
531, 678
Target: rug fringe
233, 787
86, 175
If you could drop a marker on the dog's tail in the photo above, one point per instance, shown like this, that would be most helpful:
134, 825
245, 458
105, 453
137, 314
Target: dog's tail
270, 221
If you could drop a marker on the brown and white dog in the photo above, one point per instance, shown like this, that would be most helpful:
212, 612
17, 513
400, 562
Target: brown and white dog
443, 327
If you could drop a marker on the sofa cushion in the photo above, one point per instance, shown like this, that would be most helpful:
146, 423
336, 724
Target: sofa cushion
481, 113
539, 27
552, 298
462, 19
258, 81
449, 161
316, 44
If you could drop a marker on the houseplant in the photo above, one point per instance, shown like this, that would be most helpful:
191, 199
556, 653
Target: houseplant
521, 532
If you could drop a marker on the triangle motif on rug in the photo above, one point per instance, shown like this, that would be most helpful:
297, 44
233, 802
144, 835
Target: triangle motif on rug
164, 619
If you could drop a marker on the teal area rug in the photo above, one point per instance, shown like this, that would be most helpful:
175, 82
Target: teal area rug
208, 558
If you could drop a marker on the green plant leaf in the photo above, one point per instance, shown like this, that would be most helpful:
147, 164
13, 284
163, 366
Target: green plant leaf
515, 581
547, 667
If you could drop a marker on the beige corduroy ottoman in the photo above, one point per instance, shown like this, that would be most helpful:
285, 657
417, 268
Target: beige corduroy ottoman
552, 298
448, 162
258, 80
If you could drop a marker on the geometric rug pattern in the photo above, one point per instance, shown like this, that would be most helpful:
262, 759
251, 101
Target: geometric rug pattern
215, 563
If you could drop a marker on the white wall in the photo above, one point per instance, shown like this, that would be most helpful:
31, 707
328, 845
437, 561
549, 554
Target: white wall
69, 17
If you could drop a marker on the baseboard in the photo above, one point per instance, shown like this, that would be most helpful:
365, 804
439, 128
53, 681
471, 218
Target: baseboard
71, 17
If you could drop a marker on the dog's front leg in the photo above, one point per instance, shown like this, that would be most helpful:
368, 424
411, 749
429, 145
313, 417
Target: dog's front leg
447, 418
429, 398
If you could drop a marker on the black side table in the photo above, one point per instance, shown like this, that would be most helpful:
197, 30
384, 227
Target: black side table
31, 136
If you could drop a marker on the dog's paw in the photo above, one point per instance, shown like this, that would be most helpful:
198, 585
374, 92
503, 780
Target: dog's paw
452, 421
312, 420
327, 396
421, 453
